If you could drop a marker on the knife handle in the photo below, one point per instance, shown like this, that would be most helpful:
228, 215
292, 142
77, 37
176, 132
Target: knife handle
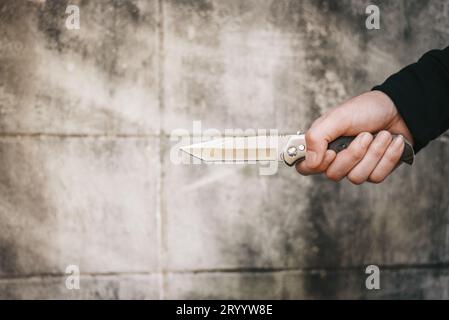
342, 143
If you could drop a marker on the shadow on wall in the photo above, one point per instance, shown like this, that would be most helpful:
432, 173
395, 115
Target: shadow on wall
22, 186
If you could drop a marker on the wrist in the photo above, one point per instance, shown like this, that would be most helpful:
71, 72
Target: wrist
388, 106
396, 124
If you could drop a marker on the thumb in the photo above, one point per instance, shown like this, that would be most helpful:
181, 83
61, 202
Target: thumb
323, 131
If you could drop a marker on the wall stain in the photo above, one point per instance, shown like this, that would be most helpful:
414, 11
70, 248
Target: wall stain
22, 186
321, 240
8, 257
51, 21
196, 5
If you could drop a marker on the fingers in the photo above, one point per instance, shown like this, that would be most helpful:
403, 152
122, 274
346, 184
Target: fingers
366, 159
303, 169
349, 158
389, 161
325, 130
362, 171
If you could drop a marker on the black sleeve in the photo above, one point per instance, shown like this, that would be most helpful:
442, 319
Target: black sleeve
421, 93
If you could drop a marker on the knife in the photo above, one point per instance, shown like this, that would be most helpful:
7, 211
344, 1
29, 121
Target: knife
286, 148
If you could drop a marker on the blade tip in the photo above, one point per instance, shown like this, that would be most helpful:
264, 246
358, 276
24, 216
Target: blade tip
185, 149
193, 152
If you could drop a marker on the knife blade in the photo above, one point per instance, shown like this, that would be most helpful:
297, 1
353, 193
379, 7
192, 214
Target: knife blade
287, 148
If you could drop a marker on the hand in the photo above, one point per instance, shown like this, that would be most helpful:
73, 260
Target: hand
367, 158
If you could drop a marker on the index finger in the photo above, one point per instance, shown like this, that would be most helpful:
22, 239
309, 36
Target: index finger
304, 170
322, 132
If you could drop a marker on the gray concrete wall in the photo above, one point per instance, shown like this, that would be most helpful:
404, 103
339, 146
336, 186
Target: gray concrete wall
85, 175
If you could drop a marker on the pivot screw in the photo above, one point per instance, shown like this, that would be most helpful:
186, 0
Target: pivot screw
292, 152
302, 147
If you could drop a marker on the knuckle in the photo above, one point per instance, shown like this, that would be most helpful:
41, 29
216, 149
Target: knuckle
324, 166
392, 157
311, 136
357, 153
356, 179
376, 178
385, 135
378, 150
301, 171
331, 175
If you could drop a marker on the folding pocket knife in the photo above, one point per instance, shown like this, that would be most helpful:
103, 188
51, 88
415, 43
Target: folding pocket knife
286, 148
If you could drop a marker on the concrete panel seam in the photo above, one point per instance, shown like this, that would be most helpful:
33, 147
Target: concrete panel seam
64, 275
396, 267
439, 266
159, 212
77, 136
